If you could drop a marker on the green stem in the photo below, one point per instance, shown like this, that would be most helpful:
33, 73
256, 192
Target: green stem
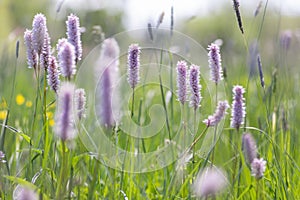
194, 135
236, 169
215, 132
61, 185
132, 104
257, 189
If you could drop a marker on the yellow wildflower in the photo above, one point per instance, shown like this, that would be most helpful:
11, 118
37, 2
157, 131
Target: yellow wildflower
3, 114
51, 122
28, 104
20, 99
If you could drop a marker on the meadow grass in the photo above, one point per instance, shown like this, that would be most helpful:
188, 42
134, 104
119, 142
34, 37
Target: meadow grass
35, 158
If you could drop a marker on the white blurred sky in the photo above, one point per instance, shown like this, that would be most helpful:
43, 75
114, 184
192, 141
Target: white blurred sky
139, 12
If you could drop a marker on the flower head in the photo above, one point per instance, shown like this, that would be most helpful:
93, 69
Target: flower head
60, 43
73, 32
39, 31
249, 147
285, 39
133, 64
31, 53
108, 98
182, 78
258, 167
80, 103
213, 120
64, 118
209, 181
46, 52
195, 87
53, 74
238, 107
24, 193
214, 60
66, 59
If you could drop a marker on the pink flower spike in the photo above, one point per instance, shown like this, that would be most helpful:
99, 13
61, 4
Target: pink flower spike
214, 60
46, 52
64, 118
249, 148
53, 74
39, 31
195, 87
238, 107
182, 78
66, 59
213, 120
133, 65
258, 168
80, 103
108, 94
73, 33
31, 53
209, 182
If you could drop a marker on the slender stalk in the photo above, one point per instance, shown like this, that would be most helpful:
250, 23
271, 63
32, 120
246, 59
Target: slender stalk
194, 135
235, 175
37, 76
215, 132
163, 96
197, 139
132, 104
61, 185
123, 165
257, 189
139, 122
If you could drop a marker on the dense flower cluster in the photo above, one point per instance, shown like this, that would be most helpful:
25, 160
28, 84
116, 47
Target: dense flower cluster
213, 120
182, 78
238, 107
53, 74
73, 33
195, 86
64, 118
133, 64
214, 60
209, 181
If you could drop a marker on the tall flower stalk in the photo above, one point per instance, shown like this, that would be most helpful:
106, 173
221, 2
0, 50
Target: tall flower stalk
64, 118
65, 131
182, 81
258, 167
237, 119
37, 42
107, 104
216, 75
195, 95
133, 69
